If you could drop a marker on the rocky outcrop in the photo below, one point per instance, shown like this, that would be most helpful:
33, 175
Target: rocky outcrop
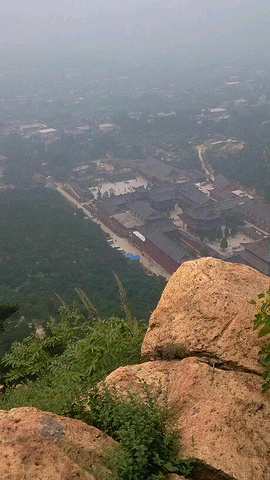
204, 312
223, 417
203, 357
41, 446
204, 354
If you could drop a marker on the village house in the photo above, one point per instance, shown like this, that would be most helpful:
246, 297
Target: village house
106, 127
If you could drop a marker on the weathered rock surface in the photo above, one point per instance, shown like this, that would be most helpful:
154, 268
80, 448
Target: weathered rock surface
36, 445
204, 311
223, 416
204, 356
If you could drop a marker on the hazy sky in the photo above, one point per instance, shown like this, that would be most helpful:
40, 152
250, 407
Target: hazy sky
209, 24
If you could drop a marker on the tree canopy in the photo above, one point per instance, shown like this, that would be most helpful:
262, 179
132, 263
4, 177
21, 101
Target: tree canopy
48, 249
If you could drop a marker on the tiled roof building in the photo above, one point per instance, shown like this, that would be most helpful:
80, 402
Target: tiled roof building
257, 255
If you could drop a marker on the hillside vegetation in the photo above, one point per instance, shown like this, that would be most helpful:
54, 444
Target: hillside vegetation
59, 372
48, 249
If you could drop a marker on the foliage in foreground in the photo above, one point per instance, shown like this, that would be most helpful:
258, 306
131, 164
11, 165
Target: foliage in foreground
148, 444
77, 352
262, 323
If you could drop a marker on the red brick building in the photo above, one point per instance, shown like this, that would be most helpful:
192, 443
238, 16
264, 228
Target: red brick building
161, 249
257, 255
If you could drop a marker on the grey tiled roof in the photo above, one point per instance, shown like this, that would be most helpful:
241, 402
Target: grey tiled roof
174, 251
152, 167
259, 211
143, 210
160, 225
260, 249
192, 193
205, 212
222, 194
222, 181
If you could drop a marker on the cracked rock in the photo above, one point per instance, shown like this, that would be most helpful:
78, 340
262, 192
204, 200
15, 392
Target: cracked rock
204, 311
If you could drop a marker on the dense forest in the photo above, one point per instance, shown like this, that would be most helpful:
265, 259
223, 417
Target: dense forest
249, 166
47, 250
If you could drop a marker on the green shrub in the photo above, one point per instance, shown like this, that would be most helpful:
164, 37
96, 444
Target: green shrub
6, 311
77, 353
262, 323
148, 444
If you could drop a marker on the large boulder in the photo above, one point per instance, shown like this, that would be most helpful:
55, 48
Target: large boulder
204, 312
36, 445
223, 417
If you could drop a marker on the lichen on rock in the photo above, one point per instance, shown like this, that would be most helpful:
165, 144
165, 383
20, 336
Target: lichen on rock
36, 445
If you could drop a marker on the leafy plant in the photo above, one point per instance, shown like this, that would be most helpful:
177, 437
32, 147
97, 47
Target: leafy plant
262, 323
29, 358
77, 353
148, 444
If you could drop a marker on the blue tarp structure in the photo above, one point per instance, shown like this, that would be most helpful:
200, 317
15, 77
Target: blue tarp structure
50, 186
132, 257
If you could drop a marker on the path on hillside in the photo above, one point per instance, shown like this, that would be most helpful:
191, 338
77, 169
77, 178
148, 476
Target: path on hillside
118, 242
202, 149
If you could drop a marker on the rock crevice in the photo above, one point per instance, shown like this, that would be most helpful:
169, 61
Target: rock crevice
205, 357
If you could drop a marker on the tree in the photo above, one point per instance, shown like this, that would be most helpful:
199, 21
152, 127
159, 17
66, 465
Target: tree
224, 243
227, 232
234, 219
262, 323
219, 234
5, 312
234, 230
79, 350
204, 251
45, 257
212, 236
99, 195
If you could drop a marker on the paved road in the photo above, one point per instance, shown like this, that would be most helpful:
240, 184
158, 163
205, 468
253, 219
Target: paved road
118, 242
